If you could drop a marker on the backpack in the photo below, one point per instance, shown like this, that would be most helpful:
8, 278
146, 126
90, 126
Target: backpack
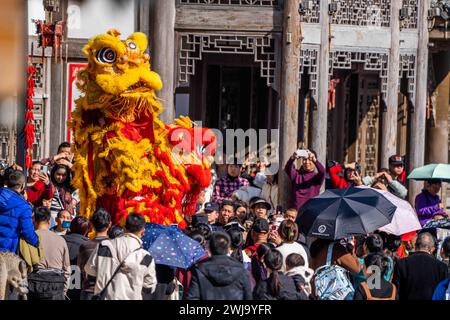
332, 282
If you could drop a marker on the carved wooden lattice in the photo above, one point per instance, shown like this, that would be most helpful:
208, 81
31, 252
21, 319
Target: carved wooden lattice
308, 60
408, 70
363, 13
193, 46
259, 3
39, 75
38, 131
368, 118
372, 61
311, 11
5, 140
411, 20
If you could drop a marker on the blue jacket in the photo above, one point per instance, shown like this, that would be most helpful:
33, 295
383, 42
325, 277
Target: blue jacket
441, 289
15, 221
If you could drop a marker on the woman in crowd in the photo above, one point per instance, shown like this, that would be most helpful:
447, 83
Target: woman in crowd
285, 238
428, 203
38, 187
63, 198
384, 289
277, 286
259, 271
237, 242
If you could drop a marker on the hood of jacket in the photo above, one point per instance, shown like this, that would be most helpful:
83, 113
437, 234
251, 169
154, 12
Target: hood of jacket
306, 273
10, 199
221, 270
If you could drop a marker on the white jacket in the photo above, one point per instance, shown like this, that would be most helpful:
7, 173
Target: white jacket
293, 247
137, 273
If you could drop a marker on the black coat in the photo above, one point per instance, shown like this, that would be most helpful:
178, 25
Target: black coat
384, 292
74, 242
288, 290
417, 276
219, 278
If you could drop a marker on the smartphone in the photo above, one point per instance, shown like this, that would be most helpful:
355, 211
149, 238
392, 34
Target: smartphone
301, 153
44, 169
274, 227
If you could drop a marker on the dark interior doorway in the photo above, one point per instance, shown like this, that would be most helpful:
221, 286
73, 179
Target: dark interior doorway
228, 92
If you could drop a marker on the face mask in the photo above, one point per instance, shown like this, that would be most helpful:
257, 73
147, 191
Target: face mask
66, 224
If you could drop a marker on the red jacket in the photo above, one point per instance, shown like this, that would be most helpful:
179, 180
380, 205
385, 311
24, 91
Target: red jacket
39, 192
337, 181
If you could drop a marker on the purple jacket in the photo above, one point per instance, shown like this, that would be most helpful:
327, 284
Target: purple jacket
427, 206
305, 185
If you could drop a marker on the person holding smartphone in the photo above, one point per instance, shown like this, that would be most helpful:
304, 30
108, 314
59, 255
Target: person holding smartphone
307, 180
38, 187
63, 198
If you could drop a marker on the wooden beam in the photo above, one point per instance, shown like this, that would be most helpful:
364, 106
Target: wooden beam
289, 93
418, 117
320, 112
229, 19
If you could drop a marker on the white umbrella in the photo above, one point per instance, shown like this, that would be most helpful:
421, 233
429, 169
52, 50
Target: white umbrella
405, 218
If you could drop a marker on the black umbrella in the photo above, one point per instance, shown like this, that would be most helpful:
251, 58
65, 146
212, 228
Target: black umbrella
339, 213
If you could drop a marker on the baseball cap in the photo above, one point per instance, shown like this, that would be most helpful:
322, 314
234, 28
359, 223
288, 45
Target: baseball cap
260, 225
396, 160
211, 206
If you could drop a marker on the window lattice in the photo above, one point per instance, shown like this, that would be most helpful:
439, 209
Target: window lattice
363, 13
4, 143
411, 21
193, 46
312, 11
39, 75
308, 61
372, 61
408, 70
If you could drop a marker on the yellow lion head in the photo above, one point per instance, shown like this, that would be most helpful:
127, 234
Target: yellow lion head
119, 74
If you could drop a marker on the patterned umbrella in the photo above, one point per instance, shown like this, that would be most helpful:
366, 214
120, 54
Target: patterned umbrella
170, 246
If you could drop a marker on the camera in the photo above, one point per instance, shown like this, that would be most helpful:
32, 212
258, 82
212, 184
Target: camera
301, 153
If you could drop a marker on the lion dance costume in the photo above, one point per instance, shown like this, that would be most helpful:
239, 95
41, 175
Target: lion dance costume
126, 159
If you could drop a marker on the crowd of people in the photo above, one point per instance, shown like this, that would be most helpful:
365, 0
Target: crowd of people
254, 247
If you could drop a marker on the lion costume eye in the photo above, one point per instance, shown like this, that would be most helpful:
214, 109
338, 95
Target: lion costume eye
106, 55
132, 45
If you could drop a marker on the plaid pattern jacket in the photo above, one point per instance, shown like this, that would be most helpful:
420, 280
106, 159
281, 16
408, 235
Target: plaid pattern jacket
224, 188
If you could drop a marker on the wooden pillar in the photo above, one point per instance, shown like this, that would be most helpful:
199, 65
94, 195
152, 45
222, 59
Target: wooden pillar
389, 120
289, 93
418, 116
320, 111
163, 52
57, 102
143, 16
438, 131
